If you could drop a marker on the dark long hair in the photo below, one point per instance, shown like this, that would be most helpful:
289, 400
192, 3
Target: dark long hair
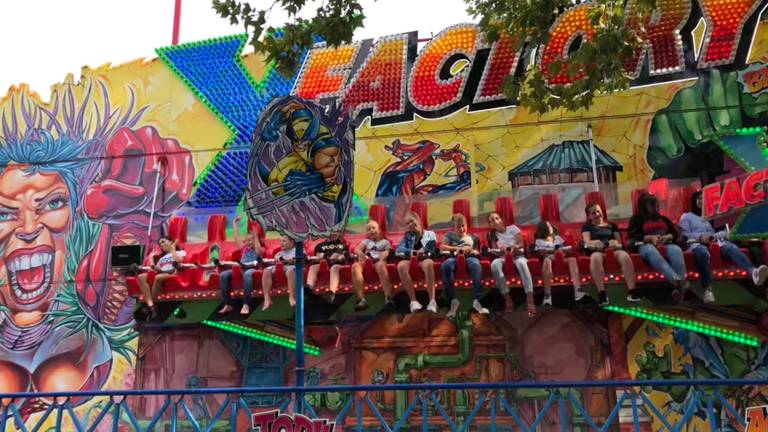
695, 209
645, 201
542, 230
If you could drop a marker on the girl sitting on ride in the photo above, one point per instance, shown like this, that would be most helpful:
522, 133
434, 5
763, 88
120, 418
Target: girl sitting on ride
377, 248
509, 239
701, 234
287, 256
423, 244
548, 241
649, 229
600, 235
165, 268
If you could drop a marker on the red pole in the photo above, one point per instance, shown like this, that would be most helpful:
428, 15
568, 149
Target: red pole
176, 22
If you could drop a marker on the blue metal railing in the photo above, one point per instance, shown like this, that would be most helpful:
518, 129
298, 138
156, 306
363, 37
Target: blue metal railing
491, 406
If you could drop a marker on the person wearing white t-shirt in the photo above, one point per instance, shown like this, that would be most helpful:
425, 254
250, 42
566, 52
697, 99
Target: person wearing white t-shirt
377, 248
165, 268
287, 256
509, 239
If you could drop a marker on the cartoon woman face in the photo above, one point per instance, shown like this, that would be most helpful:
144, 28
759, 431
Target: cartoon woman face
34, 215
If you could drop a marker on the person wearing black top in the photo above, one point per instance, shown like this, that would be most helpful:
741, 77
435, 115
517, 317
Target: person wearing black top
648, 229
600, 235
336, 252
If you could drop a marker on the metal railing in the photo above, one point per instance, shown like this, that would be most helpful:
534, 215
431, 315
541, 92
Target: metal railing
717, 405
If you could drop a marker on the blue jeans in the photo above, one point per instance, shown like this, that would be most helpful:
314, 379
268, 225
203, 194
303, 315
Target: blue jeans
225, 285
448, 272
674, 270
728, 251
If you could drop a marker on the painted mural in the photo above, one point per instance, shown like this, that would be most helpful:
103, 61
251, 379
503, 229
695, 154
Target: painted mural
98, 165
301, 169
148, 140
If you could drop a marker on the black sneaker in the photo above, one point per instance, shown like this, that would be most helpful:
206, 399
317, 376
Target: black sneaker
361, 305
602, 299
632, 297
330, 297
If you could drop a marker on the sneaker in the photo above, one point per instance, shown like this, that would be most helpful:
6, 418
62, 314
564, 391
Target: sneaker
578, 294
633, 297
547, 300
432, 306
415, 306
388, 302
453, 309
479, 308
709, 296
759, 275
361, 305
603, 299
329, 296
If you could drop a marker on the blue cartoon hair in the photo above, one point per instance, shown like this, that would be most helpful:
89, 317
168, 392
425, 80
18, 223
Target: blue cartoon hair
65, 140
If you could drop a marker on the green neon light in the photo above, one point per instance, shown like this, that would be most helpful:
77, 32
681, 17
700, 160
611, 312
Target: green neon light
696, 326
261, 335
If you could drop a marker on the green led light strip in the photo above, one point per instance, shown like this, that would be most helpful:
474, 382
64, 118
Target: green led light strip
261, 335
695, 326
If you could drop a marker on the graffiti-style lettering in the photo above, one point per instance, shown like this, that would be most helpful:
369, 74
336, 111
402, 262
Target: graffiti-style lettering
756, 419
432, 85
711, 194
752, 193
732, 197
325, 71
571, 26
446, 74
262, 422
660, 33
379, 84
502, 61
273, 421
725, 23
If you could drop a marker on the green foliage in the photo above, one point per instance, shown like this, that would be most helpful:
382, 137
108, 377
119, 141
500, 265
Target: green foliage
335, 21
529, 22
70, 313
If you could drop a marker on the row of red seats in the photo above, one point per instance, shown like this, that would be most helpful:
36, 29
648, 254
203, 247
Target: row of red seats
200, 283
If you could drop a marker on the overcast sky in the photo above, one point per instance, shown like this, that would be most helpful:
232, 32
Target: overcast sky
44, 40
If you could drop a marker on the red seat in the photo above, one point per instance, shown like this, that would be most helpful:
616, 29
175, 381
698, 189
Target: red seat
596, 197
463, 207
505, 207
549, 207
420, 208
217, 228
378, 213
177, 228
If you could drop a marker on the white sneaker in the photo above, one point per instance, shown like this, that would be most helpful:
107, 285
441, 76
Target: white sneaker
759, 275
479, 308
432, 306
453, 309
578, 294
415, 306
547, 300
709, 296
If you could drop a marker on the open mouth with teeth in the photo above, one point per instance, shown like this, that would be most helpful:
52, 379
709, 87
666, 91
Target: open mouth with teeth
30, 273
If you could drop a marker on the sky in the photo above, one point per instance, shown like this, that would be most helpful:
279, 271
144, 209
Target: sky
44, 40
